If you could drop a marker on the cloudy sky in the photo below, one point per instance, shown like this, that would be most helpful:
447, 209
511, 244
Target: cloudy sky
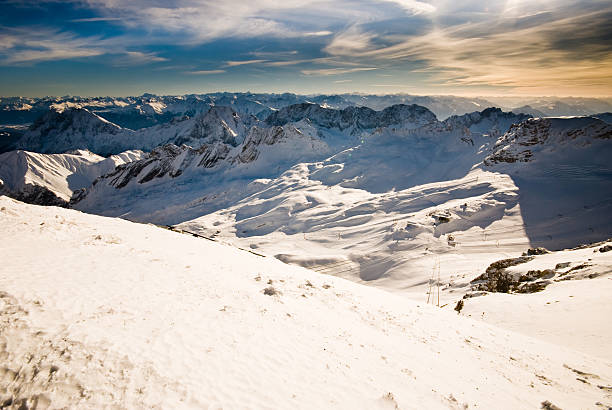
461, 47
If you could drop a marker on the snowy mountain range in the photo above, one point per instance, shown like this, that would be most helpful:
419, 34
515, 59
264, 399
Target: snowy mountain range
382, 192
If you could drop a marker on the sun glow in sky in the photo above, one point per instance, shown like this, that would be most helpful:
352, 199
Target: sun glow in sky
121, 47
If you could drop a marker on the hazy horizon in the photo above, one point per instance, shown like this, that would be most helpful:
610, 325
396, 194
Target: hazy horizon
158, 94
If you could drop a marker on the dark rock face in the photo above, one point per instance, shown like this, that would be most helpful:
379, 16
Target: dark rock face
496, 279
257, 137
525, 134
35, 194
166, 160
211, 155
536, 251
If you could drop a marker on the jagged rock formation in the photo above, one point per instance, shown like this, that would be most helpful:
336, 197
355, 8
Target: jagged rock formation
173, 161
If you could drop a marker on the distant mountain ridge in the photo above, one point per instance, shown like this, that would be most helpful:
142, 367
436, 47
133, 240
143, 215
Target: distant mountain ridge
79, 128
149, 110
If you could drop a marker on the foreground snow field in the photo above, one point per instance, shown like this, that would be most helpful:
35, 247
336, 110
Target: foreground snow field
100, 311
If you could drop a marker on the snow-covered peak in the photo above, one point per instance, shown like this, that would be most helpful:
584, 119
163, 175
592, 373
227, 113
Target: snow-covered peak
402, 114
59, 131
77, 118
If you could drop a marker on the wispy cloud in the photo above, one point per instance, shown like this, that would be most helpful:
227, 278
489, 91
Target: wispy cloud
512, 45
32, 45
202, 20
350, 42
322, 33
274, 54
205, 72
130, 58
95, 19
23, 46
413, 6
292, 62
243, 62
534, 51
336, 71
206, 20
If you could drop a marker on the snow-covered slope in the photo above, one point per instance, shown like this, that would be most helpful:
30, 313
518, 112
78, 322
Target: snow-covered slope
51, 179
379, 205
128, 315
307, 132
